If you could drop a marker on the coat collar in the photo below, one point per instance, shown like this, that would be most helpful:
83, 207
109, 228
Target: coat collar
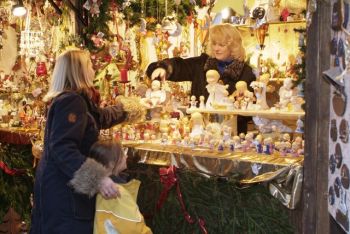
233, 70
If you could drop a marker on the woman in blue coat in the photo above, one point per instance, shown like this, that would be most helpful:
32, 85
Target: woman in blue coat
73, 124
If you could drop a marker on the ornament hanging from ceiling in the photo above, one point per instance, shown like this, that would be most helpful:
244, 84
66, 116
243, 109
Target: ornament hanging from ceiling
32, 43
93, 6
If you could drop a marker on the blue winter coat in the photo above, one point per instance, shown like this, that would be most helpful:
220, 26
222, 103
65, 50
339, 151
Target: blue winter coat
72, 127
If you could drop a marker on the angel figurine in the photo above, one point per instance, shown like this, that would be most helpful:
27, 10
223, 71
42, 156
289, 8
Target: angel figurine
217, 92
242, 96
154, 96
260, 94
197, 124
286, 93
201, 102
193, 102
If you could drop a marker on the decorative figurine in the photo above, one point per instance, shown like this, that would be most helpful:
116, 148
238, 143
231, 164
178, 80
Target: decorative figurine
201, 102
217, 92
260, 94
300, 126
268, 149
197, 124
193, 102
286, 93
242, 96
258, 144
154, 96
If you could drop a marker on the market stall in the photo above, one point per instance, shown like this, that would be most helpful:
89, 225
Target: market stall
195, 134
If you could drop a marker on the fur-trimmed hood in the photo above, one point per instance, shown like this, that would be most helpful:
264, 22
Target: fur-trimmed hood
87, 179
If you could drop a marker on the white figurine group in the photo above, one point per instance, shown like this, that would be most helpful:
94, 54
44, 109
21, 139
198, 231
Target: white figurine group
243, 99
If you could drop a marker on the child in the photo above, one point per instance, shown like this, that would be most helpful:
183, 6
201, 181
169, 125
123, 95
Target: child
119, 215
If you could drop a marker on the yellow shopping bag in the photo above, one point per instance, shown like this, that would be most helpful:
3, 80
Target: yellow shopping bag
120, 215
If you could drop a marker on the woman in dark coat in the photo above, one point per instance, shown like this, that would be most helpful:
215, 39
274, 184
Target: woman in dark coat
73, 125
225, 54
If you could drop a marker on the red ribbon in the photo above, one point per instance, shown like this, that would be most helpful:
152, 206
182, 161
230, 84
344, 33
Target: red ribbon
9, 171
168, 179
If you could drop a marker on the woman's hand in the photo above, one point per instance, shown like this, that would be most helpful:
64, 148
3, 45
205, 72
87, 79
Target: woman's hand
158, 72
108, 188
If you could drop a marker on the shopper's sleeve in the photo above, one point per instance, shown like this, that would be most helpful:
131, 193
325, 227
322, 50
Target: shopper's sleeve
179, 69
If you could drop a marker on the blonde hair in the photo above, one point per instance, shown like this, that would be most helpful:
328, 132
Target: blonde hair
73, 71
227, 34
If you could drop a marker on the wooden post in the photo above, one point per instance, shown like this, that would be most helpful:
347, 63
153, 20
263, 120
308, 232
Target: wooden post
315, 192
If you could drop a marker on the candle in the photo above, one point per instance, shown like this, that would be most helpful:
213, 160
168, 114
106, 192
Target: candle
123, 74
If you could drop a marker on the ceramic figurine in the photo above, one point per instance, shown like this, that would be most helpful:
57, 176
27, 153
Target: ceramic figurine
221, 146
297, 103
231, 145
267, 148
237, 142
286, 93
242, 136
242, 96
300, 126
154, 96
201, 102
295, 149
258, 144
260, 94
197, 124
247, 103
226, 133
217, 92
193, 102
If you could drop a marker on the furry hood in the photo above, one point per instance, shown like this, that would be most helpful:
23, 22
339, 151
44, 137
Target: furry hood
87, 179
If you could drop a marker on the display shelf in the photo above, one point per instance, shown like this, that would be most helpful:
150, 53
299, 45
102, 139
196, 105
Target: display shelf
269, 114
272, 23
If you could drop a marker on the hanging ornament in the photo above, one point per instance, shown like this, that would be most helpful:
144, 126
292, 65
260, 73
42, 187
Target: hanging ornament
127, 3
260, 34
41, 69
143, 26
171, 26
114, 49
93, 6
97, 39
32, 42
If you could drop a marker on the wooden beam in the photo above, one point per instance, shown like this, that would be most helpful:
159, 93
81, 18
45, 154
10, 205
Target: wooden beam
54, 5
76, 11
317, 93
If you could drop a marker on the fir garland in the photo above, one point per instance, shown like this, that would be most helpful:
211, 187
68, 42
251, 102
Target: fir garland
220, 202
98, 24
16, 190
151, 10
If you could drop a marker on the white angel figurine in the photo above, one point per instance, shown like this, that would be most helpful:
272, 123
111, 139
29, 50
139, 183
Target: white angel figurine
242, 96
154, 96
193, 102
286, 93
201, 102
217, 92
197, 124
260, 94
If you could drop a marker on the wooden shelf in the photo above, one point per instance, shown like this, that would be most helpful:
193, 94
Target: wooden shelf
269, 114
273, 23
